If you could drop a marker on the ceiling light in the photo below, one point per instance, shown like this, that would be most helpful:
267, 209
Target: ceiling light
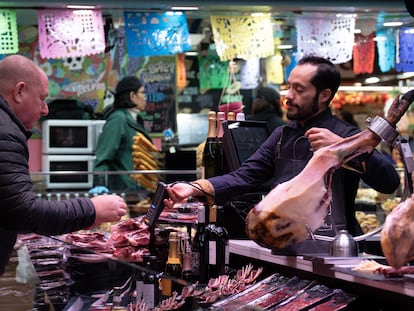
372, 80
80, 7
392, 24
185, 8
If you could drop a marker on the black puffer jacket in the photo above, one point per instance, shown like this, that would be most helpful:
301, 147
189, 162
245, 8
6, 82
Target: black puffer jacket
20, 209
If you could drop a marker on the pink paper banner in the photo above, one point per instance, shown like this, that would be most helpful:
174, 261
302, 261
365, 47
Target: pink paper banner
70, 33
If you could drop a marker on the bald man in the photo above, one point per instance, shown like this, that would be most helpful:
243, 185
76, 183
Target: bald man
23, 93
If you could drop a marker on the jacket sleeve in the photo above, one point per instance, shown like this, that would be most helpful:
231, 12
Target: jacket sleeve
20, 209
252, 174
109, 142
380, 174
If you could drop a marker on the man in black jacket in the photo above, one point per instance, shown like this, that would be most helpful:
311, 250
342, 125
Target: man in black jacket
312, 85
23, 91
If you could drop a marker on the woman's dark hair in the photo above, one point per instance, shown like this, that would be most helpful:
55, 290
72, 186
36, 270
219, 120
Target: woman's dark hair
267, 100
123, 89
327, 76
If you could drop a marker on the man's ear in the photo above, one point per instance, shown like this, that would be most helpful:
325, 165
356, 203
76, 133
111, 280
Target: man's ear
324, 95
18, 91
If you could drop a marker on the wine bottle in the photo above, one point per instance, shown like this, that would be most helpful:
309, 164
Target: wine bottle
221, 165
173, 267
150, 288
240, 116
211, 152
231, 116
200, 248
187, 274
211, 238
221, 116
140, 277
116, 297
223, 251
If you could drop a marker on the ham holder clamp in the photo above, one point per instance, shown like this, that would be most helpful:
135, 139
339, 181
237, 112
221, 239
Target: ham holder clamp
293, 209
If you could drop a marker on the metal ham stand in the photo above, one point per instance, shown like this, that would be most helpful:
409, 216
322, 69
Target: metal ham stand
389, 135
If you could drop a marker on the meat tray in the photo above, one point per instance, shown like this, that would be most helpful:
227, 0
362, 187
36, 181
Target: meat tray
292, 288
338, 301
310, 297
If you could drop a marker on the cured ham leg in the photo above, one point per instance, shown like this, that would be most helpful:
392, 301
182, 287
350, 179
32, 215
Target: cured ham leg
288, 211
397, 236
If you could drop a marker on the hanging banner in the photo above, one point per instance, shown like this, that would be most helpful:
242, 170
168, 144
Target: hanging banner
156, 34
9, 43
385, 40
405, 55
326, 35
364, 54
242, 36
70, 33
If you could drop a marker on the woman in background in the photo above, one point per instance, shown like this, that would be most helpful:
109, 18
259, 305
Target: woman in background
123, 121
266, 107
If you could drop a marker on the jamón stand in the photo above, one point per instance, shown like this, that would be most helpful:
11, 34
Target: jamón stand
406, 155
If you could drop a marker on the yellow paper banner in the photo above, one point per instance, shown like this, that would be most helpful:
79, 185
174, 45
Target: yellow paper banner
242, 36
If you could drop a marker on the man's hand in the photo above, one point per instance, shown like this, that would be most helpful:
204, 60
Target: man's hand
108, 208
321, 137
180, 192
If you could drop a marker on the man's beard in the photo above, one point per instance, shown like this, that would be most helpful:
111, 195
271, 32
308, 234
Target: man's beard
304, 114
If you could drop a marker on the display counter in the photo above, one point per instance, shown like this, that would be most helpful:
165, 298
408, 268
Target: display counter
379, 292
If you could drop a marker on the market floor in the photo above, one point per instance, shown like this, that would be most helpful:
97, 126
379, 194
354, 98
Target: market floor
15, 296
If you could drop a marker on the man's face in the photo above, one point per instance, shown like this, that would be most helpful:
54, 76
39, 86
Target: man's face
302, 101
33, 103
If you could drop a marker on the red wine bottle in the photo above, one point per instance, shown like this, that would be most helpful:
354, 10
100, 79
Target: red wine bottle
200, 248
223, 251
212, 240
218, 239
140, 277
150, 288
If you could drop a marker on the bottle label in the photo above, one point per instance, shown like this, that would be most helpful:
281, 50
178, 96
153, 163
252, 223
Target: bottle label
212, 258
166, 285
148, 294
139, 285
226, 254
